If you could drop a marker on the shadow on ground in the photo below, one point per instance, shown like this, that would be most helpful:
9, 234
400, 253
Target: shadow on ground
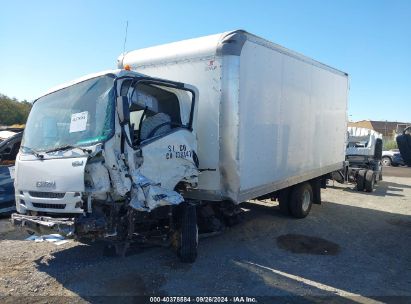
382, 188
365, 242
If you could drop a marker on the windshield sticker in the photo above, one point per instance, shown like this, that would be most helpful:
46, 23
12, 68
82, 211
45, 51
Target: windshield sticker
78, 122
11, 170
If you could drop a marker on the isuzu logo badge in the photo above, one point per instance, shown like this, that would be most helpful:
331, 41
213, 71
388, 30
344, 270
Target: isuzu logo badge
46, 184
77, 163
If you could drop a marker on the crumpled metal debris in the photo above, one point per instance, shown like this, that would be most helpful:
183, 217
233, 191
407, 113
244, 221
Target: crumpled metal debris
147, 195
56, 239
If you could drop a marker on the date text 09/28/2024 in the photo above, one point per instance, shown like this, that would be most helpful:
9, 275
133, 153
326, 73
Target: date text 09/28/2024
205, 299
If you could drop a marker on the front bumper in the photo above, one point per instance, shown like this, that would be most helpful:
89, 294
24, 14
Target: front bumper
44, 224
49, 202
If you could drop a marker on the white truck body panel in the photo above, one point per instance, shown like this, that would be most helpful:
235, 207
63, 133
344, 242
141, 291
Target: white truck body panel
267, 117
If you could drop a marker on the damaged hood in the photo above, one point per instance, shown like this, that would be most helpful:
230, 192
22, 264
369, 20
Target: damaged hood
51, 175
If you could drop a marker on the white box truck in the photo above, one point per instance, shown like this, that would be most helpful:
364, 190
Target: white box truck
174, 140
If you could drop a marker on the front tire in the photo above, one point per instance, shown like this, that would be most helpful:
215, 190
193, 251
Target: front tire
187, 250
301, 200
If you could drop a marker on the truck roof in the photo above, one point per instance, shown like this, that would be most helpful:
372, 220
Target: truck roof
116, 72
227, 43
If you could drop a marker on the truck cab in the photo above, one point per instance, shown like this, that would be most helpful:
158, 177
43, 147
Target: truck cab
110, 156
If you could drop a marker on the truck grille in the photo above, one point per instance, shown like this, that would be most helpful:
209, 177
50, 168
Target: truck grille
50, 206
46, 194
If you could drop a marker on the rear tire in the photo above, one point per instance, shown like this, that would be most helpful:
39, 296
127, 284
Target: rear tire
361, 180
301, 200
187, 250
369, 181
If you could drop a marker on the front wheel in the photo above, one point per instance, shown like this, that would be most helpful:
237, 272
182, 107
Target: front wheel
301, 200
187, 235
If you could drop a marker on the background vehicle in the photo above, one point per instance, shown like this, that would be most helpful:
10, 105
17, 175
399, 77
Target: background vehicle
9, 148
397, 160
392, 158
363, 156
158, 157
7, 203
7, 132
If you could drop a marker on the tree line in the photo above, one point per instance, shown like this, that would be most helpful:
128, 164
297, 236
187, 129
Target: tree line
13, 111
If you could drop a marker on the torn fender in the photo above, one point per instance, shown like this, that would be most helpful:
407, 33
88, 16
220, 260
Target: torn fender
147, 195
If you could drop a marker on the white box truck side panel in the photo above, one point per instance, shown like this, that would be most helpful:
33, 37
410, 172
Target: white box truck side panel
204, 73
268, 117
293, 120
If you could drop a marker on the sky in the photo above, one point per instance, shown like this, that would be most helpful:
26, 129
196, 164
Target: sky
46, 43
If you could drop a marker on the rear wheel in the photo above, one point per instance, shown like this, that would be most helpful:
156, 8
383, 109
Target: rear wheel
188, 234
361, 180
301, 200
369, 181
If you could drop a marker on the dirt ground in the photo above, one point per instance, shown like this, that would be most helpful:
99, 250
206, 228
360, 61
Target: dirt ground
353, 246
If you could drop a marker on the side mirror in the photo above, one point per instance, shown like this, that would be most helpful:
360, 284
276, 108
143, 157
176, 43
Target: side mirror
123, 109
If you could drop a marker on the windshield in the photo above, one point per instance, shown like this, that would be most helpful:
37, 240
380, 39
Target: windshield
79, 115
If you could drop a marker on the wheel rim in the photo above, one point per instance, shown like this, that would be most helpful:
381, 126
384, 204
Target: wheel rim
306, 200
385, 161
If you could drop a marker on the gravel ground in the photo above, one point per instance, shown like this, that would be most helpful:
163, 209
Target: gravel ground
353, 244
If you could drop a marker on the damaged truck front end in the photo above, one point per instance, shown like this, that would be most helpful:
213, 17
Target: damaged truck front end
110, 157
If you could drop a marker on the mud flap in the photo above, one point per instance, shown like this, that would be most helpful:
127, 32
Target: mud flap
316, 187
44, 224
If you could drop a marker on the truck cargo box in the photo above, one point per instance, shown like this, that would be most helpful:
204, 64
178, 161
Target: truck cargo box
267, 117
